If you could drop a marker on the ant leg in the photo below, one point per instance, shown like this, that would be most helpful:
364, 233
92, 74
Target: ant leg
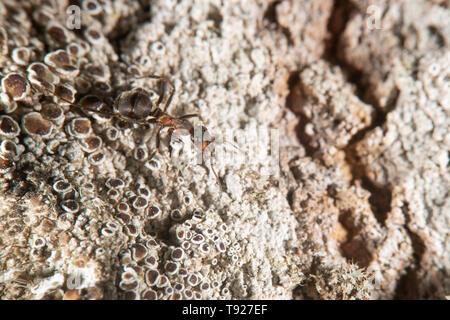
152, 155
165, 80
158, 138
172, 91
169, 134
216, 175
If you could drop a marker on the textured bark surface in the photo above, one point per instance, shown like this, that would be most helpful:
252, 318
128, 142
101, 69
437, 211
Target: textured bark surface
357, 90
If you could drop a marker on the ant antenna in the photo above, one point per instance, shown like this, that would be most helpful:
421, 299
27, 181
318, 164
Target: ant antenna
219, 182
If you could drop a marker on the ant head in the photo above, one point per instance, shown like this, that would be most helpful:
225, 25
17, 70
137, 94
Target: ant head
136, 104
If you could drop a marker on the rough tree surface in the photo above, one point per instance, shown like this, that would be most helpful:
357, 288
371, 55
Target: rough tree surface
351, 202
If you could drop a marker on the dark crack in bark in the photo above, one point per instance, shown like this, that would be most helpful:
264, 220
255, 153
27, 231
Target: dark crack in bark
381, 196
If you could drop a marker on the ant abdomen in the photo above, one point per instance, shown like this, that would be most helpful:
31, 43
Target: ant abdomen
135, 104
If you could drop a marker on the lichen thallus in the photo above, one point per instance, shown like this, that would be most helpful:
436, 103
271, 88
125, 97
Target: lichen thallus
137, 107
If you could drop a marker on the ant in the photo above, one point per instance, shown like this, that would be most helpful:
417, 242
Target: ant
136, 106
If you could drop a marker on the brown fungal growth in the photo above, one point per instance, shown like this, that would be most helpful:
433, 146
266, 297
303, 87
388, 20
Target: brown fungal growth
139, 252
94, 35
113, 194
38, 243
171, 267
61, 186
57, 33
92, 7
7, 103
176, 215
144, 192
78, 48
102, 87
149, 295
83, 85
9, 149
70, 206
34, 124
273, 75
131, 230
65, 92
42, 16
70, 194
151, 262
100, 73
124, 217
5, 165
15, 85
128, 285
140, 203
130, 295
198, 238
151, 243
151, 277
107, 232
21, 55
91, 143
72, 295
80, 127
115, 183
163, 281
96, 158
40, 76
74, 49
58, 59
188, 294
123, 207
9, 127
61, 62
177, 254
140, 154
129, 275
3, 42
112, 134
53, 112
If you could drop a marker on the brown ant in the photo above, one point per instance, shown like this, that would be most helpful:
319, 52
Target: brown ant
136, 106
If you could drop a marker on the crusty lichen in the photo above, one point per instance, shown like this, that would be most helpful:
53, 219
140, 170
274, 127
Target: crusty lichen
117, 224
405, 157
343, 282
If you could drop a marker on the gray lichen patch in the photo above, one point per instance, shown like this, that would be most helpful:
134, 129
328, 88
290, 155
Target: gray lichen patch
407, 154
